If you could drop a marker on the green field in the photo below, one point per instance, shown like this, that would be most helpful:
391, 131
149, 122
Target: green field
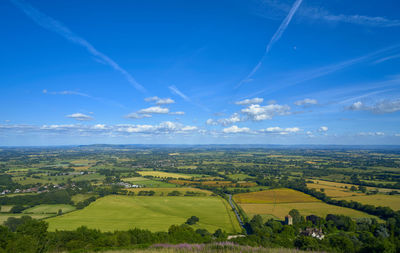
49, 209
117, 212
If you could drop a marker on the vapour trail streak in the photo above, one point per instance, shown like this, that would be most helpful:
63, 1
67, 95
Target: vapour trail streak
274, 39
57, 27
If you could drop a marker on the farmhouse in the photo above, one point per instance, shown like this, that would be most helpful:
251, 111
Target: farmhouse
313, 232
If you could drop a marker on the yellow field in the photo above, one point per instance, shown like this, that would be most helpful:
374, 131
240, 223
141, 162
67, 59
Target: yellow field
277, 203
273, 196
333, 191
392, 201
342, 186
162, 174
321, 209
165, 191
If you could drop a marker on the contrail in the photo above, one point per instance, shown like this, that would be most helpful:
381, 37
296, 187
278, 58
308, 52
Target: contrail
175, 90
57, 27
274, 39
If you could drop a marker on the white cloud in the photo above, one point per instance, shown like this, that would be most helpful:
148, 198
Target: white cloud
323, 129
356, 106
189, 128
177, 113
135, 115
250, 101
80, 116
307, 101
384, 106
279, 130
154, 110
211, 122
371, 133
257, 112
235, 129
160, 101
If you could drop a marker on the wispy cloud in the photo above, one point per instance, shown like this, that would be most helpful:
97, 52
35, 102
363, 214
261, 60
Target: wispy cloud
277, 35
57, 27
387, 58
81, 94
176, 91
307, 75
322, 14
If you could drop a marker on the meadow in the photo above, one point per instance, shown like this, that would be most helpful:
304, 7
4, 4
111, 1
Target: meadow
116, 212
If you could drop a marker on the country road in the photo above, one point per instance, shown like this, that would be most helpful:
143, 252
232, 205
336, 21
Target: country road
236, 212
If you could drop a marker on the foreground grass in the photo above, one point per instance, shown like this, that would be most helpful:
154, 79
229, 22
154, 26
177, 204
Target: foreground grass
206, 248
155, 213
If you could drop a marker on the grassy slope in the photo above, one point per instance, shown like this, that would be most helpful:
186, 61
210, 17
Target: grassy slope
154, 213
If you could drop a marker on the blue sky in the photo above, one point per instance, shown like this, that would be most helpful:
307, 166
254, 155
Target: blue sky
199, 72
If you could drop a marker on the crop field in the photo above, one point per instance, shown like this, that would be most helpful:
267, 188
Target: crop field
279, 211
392, 201
115, 212
162, 174
49, 209
339, 189
165, 191
333, 191
273, 196
277, 203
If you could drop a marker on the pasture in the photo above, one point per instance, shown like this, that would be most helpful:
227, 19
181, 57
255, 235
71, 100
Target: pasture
116, 212
282, 195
